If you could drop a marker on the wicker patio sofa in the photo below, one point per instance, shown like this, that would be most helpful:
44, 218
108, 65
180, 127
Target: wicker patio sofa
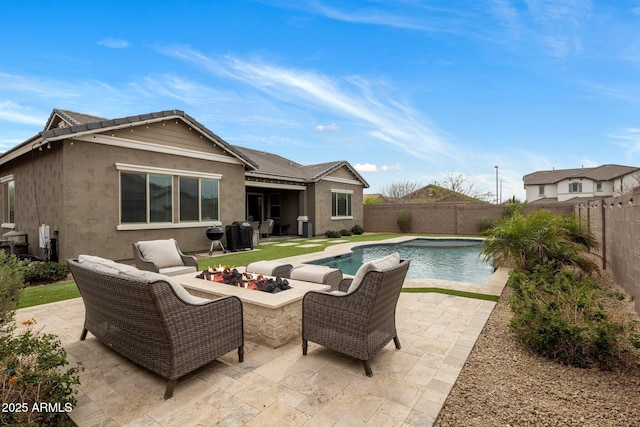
153, 321
359, 319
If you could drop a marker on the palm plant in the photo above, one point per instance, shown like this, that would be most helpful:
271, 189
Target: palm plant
522, 242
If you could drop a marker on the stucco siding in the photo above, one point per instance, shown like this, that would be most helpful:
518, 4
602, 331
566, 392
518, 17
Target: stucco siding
38, 192
322, 210
175, 133
92, 200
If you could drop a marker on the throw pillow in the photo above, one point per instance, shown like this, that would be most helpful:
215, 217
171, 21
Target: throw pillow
379, 264
163, 253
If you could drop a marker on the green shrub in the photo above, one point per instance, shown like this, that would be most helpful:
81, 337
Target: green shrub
31, 365
372, 200
332, 234
569, 317
11, 285
484, 224
357, 230
404, 221
45, 272
345, 232
539, 238
32, 375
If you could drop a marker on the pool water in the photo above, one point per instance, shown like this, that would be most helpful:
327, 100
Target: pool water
446, 259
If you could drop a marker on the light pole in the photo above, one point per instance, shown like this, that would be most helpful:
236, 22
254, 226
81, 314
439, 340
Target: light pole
497, 201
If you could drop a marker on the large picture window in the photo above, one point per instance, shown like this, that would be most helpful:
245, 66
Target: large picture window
341, 203
153, 197
199, 199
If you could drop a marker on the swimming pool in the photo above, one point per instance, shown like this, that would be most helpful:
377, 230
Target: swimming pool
446, 259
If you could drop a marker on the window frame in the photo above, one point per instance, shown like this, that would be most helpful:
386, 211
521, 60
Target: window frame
9, 201
175, 175
335, 214
275, 201
575, 187
200, 199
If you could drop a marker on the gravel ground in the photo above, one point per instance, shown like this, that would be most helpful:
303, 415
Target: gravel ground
504, 384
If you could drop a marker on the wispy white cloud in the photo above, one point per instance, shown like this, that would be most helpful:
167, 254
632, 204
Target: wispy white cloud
559, 23
365, 167
12, 112
113, 43
629, 139
395, 167
368, 167
324, 128
387, 120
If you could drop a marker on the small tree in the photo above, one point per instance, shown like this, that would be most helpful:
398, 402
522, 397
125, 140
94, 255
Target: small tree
404, 221
463, 185
396, 192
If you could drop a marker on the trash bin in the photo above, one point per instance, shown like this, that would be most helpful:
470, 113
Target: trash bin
301, 220
307, 229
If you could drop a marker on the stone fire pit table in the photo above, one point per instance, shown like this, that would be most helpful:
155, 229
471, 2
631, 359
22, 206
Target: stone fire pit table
269, 319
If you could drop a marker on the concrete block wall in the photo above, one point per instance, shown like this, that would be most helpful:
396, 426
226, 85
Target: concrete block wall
440, 218
616, 223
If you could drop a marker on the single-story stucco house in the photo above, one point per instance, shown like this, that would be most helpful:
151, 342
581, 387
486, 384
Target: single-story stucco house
98, 185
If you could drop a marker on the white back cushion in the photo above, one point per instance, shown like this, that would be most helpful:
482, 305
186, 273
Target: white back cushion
108, 266
163, 253
379, 264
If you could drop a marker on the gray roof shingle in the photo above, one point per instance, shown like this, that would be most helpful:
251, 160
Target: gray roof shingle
599, 173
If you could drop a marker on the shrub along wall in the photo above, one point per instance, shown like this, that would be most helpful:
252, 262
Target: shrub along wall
616, 222
440, 218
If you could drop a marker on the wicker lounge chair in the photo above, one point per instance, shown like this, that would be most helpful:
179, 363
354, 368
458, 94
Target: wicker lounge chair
357, 322
164, 257
149, 320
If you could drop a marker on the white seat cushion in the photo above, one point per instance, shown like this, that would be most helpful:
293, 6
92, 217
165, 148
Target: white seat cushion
379, 264
179, 269
312, 273
264, 267
163, 253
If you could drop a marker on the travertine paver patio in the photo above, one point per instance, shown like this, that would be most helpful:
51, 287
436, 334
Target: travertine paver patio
280, 386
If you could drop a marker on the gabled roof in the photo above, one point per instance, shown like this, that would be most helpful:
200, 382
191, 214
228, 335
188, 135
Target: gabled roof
599, 173
66, 118
273, 165
63, 124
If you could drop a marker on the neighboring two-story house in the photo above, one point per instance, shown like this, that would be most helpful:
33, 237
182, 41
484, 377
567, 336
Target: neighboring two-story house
102, 184
563, 185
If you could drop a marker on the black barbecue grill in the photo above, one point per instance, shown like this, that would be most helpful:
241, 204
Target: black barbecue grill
215, 234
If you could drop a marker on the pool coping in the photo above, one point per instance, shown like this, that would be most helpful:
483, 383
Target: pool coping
494, 285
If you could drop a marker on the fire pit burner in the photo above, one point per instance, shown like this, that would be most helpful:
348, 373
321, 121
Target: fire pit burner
245, 280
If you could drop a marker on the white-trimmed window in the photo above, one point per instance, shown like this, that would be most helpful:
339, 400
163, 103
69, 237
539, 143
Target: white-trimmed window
341, 204
9, 202
540, 190
199, 199
575, 187
147, 197
598, 186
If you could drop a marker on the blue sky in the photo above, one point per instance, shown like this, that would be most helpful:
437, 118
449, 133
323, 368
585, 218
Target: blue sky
404, 90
